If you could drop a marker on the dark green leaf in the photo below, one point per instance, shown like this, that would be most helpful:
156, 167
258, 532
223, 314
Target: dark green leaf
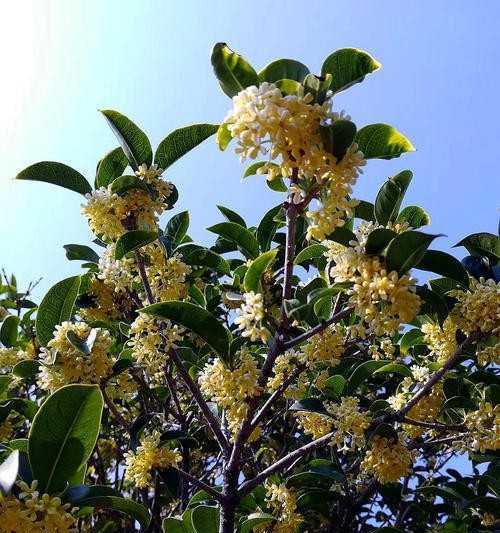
411, 338
231, 216
57, 174
177, 227
336, 384
124, 184
365, 211
382, 141
342, 235
112, 165
133, 240
386, 202
133, 140
445, 265
63, 434
8, 330
195, 255
242, 237
394, 368
195, 318
337, 137
414, 216
377, 240
406, 250
232, 71
79, 252
312, 251
27, 369
253, 276
56, 307
205, 519
347, 67
174, 525
362, 373
255, 519
485, 244
268, 226
313, 405
283, 69
181, 141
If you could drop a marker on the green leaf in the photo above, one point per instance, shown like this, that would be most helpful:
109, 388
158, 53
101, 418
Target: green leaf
4, 384
133, 240
485, 244
337, 137
8, 473
321, 476
253, 276
336, 384
317, 86
8, 331
268, 226
406, 250
312, 251
174, 525
133, 140
63, 434
195, 318
223, 136
342, 235
414, 216
205, 519
231, 216
104, 497
27, 369
110, 167
284, 69
413, 337
377, 240
323, 308
195, 255
177, 227
57, 174
289, 87
394, 368
277, 185
386, 203
181, 141
124, 184
80, 252
255, 519
347, 67
313, 405
445, 265
363, 372
382, 141
365, 211
233, 72
242, 237
56, 307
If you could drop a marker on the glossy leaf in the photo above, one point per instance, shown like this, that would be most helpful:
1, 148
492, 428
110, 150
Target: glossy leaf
232, 216
181, 141
283, 69
56, 174
337, 137
242, 237
205, 519
80, 252
363, 372
195, 255
133, 140
414, 216
253, 276
394, 368
110, 167
313, 251
233, 72
377, 240
347, 67
133, 240
411, 338
177, 227
268, 226
406, 250
445, 265
381, 141
485, 244
8, 331
255, 519
63, 434
196, 319
56, 307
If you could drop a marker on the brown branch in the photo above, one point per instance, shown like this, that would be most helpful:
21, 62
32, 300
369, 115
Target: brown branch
112, 407
201, 485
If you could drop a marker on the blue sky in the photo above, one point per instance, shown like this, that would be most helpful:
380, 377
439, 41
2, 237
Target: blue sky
62, 61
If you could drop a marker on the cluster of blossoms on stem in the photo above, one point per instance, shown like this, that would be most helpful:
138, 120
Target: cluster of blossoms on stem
64, 361
231, 387
387, 460
483, 428
250, 317
441, 340
109, 213
32, 512
151, 340
384, 300
283, 503
427, 409
9, 357
150, 455
7, 427
287, 129
409, 386
345, 418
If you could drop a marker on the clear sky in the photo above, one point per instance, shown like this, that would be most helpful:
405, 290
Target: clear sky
63, 60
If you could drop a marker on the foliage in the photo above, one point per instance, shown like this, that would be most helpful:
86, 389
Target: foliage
292, 376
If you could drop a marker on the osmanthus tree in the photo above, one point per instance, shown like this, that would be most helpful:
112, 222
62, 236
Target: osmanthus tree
293, 376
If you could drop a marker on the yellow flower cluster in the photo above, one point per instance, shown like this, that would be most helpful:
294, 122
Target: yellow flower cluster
107, 304
166, 275
409, 386
35, 513
489, 354
283, 504
426, 410
288, 129
151, 340
383, 349
117, 274
9, 357
284, 365
387, 460
315, 424
350, 423
148, 457
230, 388
109, 213
484, 428
250, 317
64, 363
478, 309
441, 340
7, 427
384, 300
